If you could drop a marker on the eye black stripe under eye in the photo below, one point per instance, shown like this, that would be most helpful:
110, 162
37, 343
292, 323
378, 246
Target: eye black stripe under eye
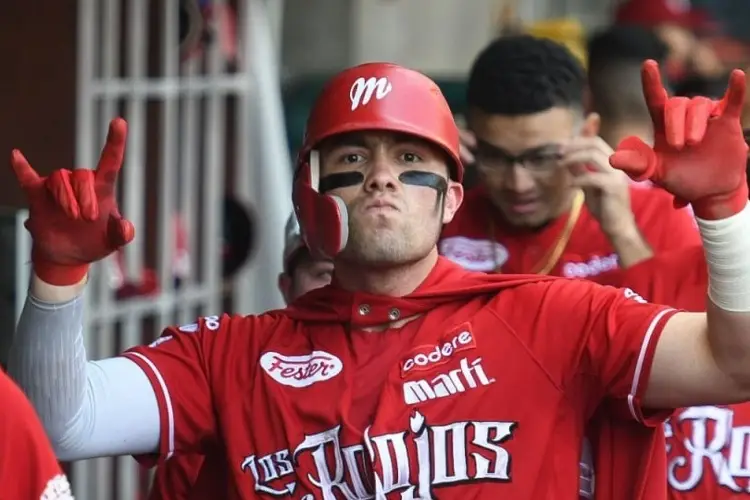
426, 179
343, 179
411, 177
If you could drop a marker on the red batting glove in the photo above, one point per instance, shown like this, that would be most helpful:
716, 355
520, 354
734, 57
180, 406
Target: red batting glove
73, 216
699, 153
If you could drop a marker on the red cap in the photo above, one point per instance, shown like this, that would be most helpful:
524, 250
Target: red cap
651, 13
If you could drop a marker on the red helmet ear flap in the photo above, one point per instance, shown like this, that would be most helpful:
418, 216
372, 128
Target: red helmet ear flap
323, 218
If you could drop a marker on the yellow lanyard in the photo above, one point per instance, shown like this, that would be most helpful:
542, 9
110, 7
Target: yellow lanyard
548, 262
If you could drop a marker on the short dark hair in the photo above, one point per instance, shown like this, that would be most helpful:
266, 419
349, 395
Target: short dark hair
521, 75
696, 85
615, 57
624, 43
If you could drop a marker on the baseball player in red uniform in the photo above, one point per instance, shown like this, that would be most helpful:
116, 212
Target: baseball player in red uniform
548, 201
407, 377
178, 478
28, 467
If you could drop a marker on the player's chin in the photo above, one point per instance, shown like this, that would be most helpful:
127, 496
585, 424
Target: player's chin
525, 220
376, 218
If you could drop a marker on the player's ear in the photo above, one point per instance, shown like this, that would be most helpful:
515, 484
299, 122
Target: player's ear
285, 287
454, 196
591, 125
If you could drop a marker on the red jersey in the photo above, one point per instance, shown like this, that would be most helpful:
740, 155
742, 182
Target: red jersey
176, 478
485, 392
28, 467
678, 278
478, 240
468, 239
707, 446
707, 453
189, 476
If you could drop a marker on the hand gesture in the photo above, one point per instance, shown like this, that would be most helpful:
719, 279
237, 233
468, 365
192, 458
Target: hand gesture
607, 190
699, 153
73, 215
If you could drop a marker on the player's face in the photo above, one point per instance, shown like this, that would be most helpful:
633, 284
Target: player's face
518, 158
307, 274
391, 220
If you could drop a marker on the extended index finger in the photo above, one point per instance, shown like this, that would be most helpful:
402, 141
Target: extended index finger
25, 173
110, 160
734, 97
653, 91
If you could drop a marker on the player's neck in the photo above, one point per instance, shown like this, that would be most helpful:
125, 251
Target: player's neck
395, 281
615, 133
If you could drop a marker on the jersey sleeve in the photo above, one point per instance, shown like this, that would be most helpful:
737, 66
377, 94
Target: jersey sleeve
602, 342
619, 349
28, 467
177, 365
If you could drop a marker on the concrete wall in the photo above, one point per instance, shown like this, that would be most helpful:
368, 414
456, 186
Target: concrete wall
440, 37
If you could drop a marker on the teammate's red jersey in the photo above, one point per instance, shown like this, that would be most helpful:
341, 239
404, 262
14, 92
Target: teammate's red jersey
707, 453
478, 240
678, 278
707, 446
28, 467
485, 392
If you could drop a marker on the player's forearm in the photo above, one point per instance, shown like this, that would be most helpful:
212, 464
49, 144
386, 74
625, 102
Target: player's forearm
48, 360
80, 403
726, 244
630, 245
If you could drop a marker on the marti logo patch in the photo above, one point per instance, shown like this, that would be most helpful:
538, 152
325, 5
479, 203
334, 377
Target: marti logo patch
427, 357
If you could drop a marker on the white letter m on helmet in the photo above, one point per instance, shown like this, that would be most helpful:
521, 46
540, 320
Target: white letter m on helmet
362, 90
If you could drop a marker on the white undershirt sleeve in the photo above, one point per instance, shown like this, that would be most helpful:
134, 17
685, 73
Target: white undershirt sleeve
88, 408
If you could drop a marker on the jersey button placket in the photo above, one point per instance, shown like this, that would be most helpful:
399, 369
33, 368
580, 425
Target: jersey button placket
394, 314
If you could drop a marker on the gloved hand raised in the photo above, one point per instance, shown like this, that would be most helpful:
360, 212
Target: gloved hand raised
73, 215
699, 153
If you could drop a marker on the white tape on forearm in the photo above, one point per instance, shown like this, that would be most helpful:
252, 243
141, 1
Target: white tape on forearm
726, 243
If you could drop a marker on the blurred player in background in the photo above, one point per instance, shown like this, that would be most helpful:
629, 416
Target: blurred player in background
548, 200
302, 272
615, 56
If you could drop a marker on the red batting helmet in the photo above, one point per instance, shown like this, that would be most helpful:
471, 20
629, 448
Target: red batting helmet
373, 96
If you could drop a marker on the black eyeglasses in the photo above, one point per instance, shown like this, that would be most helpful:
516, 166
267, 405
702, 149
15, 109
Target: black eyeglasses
493, 160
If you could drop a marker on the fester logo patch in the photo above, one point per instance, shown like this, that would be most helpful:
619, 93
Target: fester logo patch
427, 357
301, 371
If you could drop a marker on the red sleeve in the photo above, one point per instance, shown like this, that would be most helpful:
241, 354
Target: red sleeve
28, 467
609, 336
619, 350
177, 364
